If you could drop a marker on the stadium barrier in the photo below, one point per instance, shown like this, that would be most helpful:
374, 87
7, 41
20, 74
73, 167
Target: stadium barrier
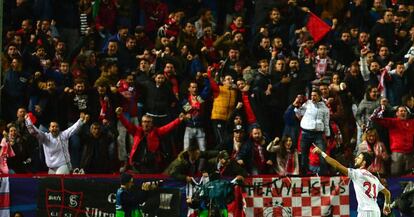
94, 196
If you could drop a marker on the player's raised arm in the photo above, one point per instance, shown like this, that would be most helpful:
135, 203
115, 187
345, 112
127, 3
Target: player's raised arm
335, 164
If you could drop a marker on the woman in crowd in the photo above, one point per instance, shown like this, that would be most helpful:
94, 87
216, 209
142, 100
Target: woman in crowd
287, 161
372, 144
6, 150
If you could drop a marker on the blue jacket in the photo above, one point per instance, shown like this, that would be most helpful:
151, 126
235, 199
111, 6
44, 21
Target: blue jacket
197, 116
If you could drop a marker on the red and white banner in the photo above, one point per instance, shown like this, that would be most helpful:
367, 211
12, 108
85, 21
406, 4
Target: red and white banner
4, 197
297, 196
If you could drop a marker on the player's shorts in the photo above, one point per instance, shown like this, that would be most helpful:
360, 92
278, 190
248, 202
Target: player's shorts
369, 213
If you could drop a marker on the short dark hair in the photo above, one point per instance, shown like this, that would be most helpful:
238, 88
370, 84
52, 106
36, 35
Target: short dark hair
17, 213
125, 178
316, 90
367, 158
113, 40
223, 155
193, 148
406, 98
234, 47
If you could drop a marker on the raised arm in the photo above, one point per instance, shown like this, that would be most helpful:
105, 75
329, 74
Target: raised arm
364, 65
76, 126
272, 146
131, 128
377, 117
173, 124
206, 90
214, 87
41, 136
335, 164
300, 111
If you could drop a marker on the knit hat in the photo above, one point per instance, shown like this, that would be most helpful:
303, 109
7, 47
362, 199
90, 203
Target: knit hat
125, 178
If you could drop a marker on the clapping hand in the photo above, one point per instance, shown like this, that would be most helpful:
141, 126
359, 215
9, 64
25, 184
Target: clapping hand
84, 117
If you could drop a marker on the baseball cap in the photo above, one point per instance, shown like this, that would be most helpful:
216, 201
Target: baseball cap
238, 128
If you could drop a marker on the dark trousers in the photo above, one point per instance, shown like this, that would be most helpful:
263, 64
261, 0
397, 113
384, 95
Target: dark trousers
308, 138
219, 129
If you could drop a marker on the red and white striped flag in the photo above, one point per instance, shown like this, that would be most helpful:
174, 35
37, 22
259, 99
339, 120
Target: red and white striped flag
4, 197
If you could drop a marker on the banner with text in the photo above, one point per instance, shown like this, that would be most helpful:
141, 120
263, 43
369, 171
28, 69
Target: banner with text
297, 196
58, 197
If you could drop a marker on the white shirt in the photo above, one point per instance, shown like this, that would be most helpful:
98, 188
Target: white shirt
315, 116
55, 148
366, 187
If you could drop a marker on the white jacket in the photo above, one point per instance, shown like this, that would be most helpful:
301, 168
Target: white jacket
55, 148
315, 116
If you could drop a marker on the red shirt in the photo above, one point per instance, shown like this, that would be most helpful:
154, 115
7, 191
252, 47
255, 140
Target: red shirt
401, 133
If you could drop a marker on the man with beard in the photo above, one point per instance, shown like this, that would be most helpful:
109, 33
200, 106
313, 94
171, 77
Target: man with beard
366, 185
261, 88
342, 49
80, 101
253, 155
233, 56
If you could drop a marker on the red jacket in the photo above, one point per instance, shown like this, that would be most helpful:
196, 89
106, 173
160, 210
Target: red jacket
153, 137
401, 133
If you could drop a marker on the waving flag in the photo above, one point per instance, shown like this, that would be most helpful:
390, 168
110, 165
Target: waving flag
317, 27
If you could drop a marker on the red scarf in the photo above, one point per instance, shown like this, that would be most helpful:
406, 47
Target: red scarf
321, 66
104, 107
290, 164
195, 105
259, 157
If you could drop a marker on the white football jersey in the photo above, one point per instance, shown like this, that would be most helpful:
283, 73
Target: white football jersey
366, 187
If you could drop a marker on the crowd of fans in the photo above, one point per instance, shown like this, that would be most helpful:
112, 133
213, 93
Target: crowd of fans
237, 85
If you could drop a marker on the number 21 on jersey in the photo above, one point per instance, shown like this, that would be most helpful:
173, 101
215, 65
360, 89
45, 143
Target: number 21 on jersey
370, 187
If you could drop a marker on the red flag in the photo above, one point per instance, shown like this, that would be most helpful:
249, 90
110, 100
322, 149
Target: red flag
317, 27
32, 117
